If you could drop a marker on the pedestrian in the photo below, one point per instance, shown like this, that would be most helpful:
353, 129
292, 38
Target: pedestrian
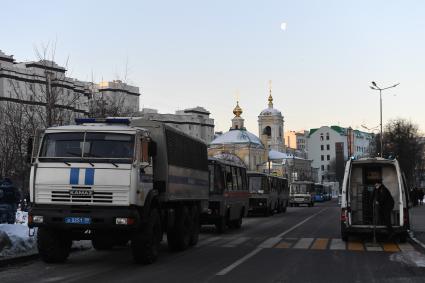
420, 196
385, 204
414, 197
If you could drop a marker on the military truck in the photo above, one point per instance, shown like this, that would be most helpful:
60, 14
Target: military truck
117, 180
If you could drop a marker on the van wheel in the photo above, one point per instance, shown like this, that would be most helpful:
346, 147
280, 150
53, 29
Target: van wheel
53, 246
179, 236
196, 226
145, 243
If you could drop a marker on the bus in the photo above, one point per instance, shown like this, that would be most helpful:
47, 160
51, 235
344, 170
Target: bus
228, 195
301, 192
263, 198
319, 193
280, 185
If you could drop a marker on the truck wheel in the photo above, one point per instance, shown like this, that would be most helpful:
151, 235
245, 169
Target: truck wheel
53, 246
145, 243
179, 236
221, 225
102, 244
196, 226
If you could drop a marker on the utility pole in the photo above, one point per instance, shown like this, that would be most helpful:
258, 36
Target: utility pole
374, 86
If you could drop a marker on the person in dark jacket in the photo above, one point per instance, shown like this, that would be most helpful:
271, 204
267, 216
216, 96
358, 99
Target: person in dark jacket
384, 205
420, 193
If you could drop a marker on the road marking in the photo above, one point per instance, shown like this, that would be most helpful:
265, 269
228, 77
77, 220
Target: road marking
270, 242
355, 246
236, 242
239, 262
371, 247
337, 244
406, 247
283, 245
320, 244
259, 249
303, 243
390, 247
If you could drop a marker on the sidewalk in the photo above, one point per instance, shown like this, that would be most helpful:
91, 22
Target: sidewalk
417, 222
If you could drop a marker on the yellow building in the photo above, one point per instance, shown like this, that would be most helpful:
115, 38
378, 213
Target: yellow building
240, 142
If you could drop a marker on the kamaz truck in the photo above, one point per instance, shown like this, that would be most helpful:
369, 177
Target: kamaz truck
114, 180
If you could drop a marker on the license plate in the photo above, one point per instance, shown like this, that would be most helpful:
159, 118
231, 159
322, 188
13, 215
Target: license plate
299, 199
77, 220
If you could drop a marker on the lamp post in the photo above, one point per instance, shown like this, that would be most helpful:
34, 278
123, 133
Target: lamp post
374, 86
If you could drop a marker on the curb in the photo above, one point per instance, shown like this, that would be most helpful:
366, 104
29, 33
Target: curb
414, 239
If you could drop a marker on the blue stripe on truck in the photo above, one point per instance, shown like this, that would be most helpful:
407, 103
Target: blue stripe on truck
74, 176
89, 177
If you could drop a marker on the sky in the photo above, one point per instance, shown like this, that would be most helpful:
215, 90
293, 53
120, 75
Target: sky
202, 53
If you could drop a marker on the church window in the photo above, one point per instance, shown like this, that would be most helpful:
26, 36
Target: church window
267, 131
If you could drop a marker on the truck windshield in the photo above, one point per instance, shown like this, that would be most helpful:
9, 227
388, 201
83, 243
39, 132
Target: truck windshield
87, 147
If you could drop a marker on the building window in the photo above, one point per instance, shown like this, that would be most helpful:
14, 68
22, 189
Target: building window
327, 136
322, 157
323, 167
329, 167
328, 157
328, 146
322, 147
321, 137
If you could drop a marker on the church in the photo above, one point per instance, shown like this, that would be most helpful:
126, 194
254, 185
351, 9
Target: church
253, 150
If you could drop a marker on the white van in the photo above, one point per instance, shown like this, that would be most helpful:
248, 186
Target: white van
356, 201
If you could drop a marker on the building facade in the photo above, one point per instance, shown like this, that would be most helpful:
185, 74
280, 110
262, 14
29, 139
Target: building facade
193, 121
330, 147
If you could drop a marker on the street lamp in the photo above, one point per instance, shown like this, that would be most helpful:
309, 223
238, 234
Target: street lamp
374, 86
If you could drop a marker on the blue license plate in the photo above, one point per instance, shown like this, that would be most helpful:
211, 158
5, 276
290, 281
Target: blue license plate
77, 220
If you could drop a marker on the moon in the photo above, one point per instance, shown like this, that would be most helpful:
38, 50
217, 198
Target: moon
283, 26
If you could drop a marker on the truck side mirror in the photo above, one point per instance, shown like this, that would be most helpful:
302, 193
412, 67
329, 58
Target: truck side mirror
30, 144
152, 149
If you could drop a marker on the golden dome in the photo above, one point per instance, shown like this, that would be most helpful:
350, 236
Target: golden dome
238, 110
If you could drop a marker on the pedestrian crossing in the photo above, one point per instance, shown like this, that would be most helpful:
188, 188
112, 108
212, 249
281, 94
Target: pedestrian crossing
314, 244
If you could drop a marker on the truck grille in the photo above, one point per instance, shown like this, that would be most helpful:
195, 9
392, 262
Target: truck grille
96, 197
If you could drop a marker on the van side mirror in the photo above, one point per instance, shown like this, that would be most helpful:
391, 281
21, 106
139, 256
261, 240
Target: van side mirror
30, 144
152, 149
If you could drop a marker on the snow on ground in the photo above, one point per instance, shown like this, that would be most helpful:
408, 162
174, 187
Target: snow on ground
16, 242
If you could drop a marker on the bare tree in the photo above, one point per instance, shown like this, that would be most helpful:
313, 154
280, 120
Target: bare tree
401, 140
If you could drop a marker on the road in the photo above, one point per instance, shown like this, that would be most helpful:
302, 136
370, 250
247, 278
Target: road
301, 245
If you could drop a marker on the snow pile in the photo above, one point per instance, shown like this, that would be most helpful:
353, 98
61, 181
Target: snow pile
22, 217
15, 241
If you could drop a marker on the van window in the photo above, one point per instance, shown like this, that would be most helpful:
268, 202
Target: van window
240, 183
235, 178
229, 178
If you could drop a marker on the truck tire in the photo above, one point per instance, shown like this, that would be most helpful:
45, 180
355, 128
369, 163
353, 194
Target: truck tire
179, 236
145, 243
196, 226
53, 246
102, 243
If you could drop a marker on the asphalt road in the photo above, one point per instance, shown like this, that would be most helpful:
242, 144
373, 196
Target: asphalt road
301, 245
